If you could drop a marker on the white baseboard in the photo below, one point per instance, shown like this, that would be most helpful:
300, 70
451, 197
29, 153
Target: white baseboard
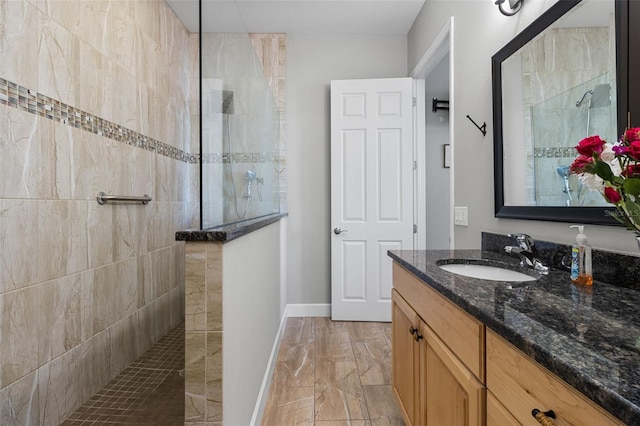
258, 410
308, 310
291, 310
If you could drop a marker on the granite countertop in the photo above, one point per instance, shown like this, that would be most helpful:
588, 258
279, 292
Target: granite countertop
589, 337
229, 232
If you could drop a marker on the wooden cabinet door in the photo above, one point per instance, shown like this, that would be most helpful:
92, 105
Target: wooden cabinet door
405, 361
453, 396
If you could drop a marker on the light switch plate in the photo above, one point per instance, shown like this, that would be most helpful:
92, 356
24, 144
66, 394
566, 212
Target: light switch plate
461, 216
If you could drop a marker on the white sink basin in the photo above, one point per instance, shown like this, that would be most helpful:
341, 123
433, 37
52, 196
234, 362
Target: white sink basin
486, 272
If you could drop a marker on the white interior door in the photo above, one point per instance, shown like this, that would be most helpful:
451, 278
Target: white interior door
371, 192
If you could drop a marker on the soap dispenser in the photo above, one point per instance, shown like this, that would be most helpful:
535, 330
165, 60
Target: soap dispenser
581, 259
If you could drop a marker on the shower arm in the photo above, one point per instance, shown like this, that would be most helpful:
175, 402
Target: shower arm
588, 92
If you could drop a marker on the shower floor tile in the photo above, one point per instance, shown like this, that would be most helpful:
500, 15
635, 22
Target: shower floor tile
148, 392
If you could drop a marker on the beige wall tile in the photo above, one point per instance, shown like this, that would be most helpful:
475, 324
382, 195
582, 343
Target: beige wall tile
19, 239
95, 364
59, 317
19, 402
213, 373
195, 301
19, 64
124, 340
59, 387
214, 287
195, 361
18, 331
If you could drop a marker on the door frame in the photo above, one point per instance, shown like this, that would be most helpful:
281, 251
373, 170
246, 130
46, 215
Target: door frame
442, 45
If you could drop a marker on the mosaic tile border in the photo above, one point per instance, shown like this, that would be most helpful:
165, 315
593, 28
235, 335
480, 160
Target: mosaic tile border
555, 152
242, 157
22, 98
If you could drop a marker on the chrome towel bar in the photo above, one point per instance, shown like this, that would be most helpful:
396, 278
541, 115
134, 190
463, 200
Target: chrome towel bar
103, 198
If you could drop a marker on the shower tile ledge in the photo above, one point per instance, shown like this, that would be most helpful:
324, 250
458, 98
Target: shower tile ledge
229, 232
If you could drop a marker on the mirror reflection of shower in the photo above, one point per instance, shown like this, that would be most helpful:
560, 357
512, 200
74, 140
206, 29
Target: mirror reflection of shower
250, 175
598, 97
563, 171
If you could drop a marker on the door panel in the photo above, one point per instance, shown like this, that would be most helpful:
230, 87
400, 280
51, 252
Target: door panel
371, 192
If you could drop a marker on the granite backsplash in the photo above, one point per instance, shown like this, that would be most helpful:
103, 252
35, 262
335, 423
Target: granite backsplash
613, 268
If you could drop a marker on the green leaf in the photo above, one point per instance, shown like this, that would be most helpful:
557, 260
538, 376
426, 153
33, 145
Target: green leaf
632, 186
604, 171
633, 210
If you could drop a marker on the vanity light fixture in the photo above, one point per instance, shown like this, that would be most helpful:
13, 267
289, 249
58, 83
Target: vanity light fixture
514, 7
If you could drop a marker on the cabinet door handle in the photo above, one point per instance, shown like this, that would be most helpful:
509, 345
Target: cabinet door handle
544, 418
418, 336
413, 330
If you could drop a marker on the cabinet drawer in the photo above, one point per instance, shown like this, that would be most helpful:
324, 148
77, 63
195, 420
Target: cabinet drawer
521, 385
462, 333
497, 414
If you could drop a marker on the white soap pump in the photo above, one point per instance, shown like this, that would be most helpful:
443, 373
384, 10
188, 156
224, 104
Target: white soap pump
581, 259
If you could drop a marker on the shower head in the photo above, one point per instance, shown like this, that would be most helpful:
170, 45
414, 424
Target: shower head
563, 171
250, 176
601, 96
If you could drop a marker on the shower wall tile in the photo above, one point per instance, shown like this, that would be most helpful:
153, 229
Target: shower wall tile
195, 296
124, 343
146, 328
18, 63
18, 334
59, 316
214, 287
59, 388
145, 280
194, 380
94, 96
176, 306
161, 271
213, 374
59, 61
163, 315
62, 244
19, 402
19, 237
95, 365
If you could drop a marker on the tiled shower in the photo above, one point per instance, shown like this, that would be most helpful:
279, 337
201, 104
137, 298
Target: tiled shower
95, 96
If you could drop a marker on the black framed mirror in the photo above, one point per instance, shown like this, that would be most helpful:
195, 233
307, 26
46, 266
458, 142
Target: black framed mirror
532, 93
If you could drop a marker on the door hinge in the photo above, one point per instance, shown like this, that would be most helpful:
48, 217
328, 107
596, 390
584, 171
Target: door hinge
415, 228
415, 101
415, 165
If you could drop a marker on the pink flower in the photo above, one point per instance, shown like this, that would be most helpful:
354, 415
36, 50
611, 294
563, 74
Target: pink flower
612, 195
589, 146
632, 134
634, 150
620, 150
581, 164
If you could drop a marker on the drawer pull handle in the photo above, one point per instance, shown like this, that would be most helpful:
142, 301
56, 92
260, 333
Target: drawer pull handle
413, 330
544, 417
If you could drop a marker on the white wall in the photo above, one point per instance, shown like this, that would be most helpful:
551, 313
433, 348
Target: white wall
251, 317
480, 31
312, 62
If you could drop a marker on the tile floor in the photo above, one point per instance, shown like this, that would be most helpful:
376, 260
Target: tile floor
333, 374
148, 392
327, 374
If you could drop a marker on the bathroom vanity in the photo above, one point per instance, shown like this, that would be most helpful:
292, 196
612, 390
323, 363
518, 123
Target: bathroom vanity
468, 351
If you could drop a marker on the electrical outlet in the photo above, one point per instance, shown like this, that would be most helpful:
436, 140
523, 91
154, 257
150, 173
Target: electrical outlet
461, 216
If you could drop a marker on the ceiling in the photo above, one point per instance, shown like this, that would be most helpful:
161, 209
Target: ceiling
317, 17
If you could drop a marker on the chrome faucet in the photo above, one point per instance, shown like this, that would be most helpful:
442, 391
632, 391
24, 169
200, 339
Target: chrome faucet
528, 253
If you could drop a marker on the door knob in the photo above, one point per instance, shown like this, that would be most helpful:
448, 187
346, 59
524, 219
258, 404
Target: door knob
339, 231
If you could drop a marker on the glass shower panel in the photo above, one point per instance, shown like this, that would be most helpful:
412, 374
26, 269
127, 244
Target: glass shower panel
558, 124
240, 125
